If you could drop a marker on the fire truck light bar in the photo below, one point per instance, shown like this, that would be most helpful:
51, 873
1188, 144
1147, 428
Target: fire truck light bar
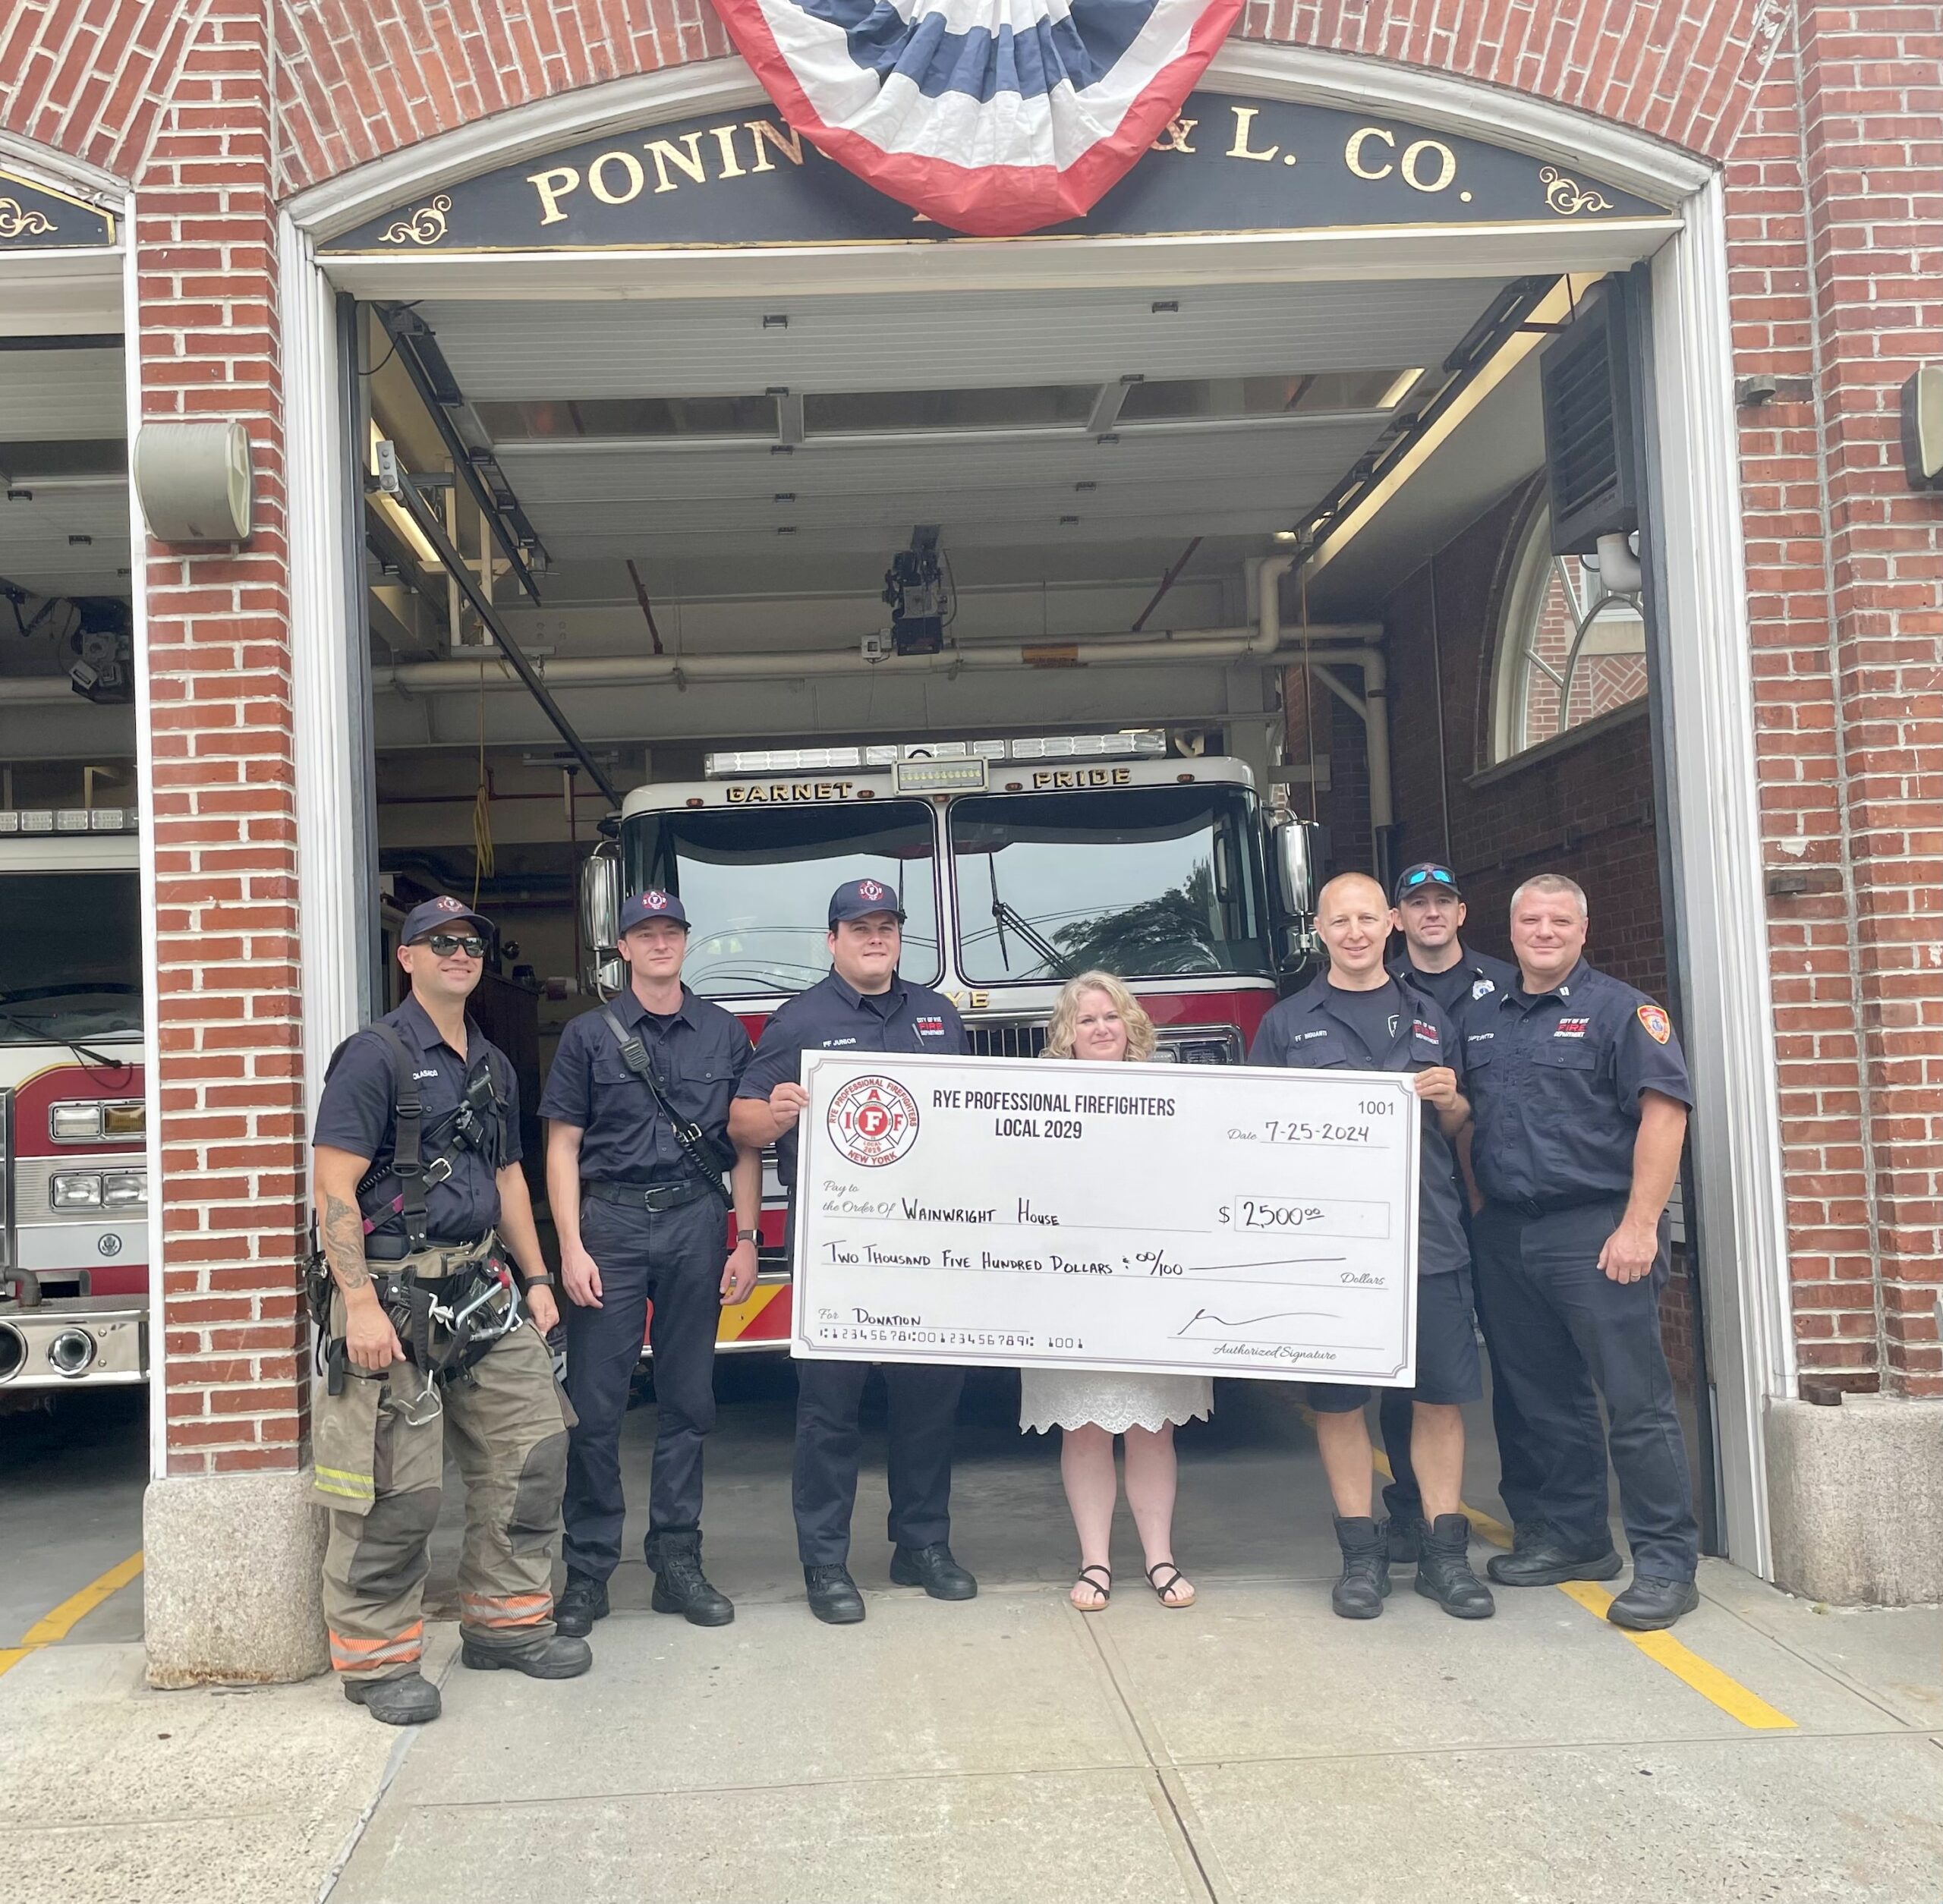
67, 819
1136, 743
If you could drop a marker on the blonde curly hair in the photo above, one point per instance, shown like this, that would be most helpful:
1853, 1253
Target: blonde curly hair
1063, 1026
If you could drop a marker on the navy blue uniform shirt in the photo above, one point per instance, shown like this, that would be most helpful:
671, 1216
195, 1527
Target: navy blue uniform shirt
1554, 1083
1476, 977
1312, 1031
831, 1015
699, 1054
357, 1113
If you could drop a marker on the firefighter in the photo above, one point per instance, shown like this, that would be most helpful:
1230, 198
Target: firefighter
861, 1006
1582, 1097
427, 1340
1358, 1016
1428, 908
637, 1143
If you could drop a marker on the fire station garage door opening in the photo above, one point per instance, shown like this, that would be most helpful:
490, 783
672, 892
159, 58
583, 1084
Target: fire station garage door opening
764, 550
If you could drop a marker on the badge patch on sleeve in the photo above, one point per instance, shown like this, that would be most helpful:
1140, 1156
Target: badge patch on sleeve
1659, 1028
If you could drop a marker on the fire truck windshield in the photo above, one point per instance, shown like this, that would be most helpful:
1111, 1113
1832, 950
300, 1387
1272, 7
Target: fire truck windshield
756, 883
1142, 881
69, 956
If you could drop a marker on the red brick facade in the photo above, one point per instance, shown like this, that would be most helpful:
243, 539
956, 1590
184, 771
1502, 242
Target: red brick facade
1824, 119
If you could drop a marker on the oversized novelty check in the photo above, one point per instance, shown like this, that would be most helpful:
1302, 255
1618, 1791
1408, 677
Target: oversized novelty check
1197, 1219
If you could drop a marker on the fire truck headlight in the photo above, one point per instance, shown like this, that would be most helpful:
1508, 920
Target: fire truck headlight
76, 1189
125, 1120
1218, 1045
75, 1123
125, 1189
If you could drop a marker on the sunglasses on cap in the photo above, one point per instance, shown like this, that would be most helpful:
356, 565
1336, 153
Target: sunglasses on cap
1425, 875
446, 943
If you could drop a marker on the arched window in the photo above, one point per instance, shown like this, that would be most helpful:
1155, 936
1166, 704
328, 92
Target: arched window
1568, 650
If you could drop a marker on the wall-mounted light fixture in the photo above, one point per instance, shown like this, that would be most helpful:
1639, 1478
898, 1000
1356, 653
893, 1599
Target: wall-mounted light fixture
194, 481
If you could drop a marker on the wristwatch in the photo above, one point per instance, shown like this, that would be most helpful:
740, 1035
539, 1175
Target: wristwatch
544, 1281
741, 1235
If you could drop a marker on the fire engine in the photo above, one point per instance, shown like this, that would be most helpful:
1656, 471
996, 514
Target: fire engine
1019, 863
74, 1182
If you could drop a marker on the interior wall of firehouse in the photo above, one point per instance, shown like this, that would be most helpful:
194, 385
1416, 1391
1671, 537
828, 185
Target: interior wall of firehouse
1510, 688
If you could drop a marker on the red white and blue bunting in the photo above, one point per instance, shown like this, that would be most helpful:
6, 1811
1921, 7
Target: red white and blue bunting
992, 117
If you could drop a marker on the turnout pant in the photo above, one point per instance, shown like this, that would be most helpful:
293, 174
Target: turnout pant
380, 1458
672, 1258
923, 1420
1563, 1330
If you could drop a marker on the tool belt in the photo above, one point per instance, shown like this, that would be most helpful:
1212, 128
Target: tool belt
449, 1303
648, 1196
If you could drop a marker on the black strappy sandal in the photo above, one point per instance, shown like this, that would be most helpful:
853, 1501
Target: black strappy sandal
1164, 1588
1103, 1587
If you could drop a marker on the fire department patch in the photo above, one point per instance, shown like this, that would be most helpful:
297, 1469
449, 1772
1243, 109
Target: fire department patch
1423, 1028
873, 1121
1572, 1027
930, 1027
1658, 1027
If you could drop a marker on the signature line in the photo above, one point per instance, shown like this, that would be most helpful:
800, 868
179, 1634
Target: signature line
1249, 1321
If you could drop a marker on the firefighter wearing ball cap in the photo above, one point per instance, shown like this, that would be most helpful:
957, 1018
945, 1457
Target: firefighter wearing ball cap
1579, 1099
862, 1005
418, 1181
1427, 906
640, 1176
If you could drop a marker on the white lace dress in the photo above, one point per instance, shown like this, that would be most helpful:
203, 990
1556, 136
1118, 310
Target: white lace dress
1079, 1398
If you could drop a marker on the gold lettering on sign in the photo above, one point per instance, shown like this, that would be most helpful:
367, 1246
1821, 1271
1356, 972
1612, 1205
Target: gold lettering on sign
1447, 166
1244, 119
553, 186
788, 145
725, 137
786, 793
596, 178
1175, 138
1353, 153
662, 152
1072, 780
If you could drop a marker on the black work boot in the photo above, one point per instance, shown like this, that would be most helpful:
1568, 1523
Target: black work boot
560, 1655
680, 1585
1651, 1603
833, 1596
409, 1699
933, 1568
582, 1601
1365, 1545
1406, 1536
1444, 1570
1550, 1559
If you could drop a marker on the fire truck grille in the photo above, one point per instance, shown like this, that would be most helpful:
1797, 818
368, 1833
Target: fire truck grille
1025, 1040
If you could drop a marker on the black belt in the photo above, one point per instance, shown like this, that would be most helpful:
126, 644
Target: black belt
1550, 1206
646, 1196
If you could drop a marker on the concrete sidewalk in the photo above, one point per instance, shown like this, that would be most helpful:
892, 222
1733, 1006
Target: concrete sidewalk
1251, 1750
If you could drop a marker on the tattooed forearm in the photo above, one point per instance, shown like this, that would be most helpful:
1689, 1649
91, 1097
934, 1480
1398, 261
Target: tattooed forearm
344, 1244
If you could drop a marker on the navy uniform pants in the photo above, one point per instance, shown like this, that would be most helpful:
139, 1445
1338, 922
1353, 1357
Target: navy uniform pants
673, 1257
1521, 1472
924, 1421
1567, 1336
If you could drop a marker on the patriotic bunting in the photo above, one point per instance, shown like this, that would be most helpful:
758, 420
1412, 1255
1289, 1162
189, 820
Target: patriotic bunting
991, 117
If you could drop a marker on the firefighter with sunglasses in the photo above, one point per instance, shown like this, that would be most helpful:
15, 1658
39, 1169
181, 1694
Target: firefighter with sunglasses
430, 1273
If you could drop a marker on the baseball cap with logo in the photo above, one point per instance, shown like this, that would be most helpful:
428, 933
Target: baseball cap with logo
637, 908
859, 898
1427, 876
439, 914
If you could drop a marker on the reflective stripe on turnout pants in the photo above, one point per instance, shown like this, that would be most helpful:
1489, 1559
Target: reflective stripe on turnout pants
380, 1452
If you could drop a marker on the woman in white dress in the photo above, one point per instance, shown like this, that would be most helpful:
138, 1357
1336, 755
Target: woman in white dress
1097, 1018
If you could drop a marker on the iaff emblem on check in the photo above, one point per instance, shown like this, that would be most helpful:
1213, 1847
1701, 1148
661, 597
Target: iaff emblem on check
873, 1121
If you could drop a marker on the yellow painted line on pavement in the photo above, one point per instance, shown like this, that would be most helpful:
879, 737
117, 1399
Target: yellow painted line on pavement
62, 1621
1686, 1665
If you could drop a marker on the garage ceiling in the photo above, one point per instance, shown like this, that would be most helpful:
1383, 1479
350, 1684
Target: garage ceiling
61, 534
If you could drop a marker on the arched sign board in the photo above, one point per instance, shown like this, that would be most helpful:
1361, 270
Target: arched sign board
33, 219
1225, 164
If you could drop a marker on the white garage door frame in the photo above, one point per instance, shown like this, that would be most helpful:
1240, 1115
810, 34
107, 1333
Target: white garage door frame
1709, 738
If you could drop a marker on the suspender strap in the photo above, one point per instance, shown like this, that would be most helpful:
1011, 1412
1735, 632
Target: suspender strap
689, 1135
408, 1112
